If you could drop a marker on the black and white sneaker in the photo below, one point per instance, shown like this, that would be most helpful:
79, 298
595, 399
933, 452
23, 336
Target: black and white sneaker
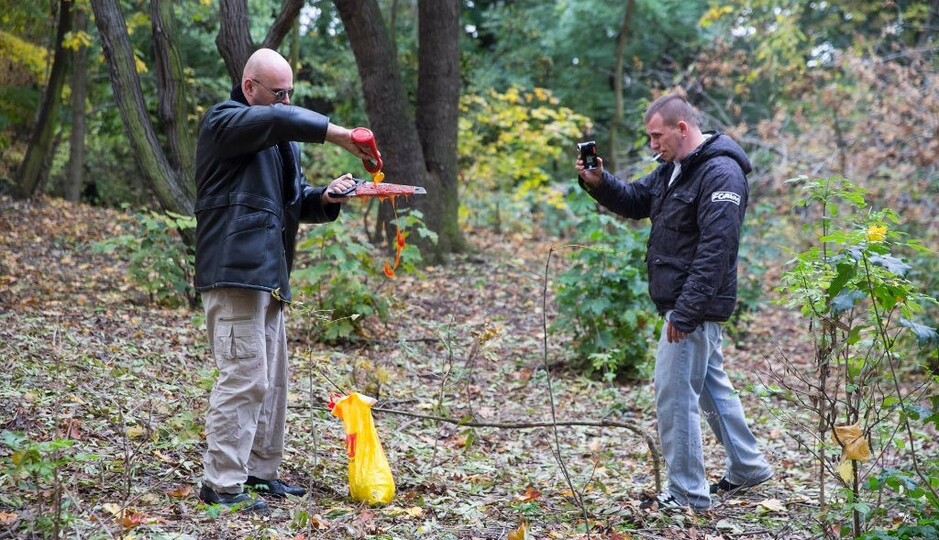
662, 502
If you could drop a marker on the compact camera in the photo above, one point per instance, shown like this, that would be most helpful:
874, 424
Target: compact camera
588, 153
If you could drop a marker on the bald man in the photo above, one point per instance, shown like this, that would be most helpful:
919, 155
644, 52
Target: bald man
251, 197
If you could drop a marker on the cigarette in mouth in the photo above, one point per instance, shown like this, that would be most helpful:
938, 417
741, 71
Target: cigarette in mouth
655, 157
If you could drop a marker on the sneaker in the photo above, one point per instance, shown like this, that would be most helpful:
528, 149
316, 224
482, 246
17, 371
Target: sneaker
661, 502
274, 488
725, 486
235, 501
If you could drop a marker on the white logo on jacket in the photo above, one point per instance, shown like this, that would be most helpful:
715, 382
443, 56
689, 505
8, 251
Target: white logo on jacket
725, 196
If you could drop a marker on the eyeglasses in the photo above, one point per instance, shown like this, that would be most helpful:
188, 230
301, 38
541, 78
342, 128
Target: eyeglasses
279, 95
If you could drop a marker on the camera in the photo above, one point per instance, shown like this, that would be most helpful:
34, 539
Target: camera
588, 153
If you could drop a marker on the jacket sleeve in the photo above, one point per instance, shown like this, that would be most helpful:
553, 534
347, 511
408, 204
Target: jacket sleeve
721, 207
313, 209
628, 199
235, 129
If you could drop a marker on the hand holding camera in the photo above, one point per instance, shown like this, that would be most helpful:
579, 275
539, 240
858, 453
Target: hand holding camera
589, 164
588, 154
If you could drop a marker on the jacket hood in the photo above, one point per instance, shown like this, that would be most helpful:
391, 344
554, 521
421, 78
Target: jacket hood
718, 144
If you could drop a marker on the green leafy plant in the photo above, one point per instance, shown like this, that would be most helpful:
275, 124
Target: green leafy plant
854, 292
159, 262
603, 301
35, 467
339, 281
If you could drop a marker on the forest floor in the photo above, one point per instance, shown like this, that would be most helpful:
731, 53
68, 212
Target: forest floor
109, 394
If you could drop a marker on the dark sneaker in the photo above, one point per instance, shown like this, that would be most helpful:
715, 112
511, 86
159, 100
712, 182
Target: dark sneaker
725, 487
235, 501
275, 488
661, 502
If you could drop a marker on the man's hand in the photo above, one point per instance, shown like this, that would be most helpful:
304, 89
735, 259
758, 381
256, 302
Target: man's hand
673, 334
341, 136
591, 177
339, 185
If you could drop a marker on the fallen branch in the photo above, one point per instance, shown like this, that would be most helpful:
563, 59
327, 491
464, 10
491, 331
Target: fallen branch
650, 441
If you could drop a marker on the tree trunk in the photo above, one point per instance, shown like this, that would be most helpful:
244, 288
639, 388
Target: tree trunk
621, 42
173, 110
166, 182
234, 41
285, 22
438, 105
392, 118
72, 190
30, 175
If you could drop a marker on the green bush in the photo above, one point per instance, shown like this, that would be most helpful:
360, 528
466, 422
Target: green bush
603, 299
159, 262
338, 282
854, 292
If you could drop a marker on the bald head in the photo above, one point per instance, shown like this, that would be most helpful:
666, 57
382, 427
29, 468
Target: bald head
266, 73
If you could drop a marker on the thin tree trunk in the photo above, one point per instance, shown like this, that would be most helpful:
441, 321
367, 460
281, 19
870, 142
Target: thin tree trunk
160, 175
31, 173
72, 190
234, 41
173, 110
234, 38
283, 24
621, 41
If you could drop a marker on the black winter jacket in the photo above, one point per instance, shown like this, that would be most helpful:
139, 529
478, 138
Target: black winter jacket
692, 248
251, 194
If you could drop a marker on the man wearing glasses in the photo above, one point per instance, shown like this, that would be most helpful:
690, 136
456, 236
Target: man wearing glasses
251, 197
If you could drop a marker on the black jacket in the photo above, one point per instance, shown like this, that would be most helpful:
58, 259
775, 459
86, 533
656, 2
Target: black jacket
251, 194
692, 249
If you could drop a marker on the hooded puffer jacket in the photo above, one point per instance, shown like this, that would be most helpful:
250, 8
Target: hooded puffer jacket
695, 235
251, 194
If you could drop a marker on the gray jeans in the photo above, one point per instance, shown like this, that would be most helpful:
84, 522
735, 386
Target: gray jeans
248, 407
690, 380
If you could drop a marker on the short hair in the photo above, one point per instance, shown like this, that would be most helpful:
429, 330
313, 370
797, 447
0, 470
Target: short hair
674, 108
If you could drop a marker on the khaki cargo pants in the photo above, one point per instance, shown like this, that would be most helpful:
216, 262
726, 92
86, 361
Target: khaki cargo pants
248, 406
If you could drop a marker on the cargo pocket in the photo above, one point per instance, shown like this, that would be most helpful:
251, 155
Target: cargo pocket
236, 338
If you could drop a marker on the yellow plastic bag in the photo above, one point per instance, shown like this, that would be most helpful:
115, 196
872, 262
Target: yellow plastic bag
370, 477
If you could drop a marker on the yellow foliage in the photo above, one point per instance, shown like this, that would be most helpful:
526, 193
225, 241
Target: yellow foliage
76, 40
876, 233
714, 14
27, 62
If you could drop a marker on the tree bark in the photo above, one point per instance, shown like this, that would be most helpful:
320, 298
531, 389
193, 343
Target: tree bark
402, 140
283, 24
72, 190
234, 41
160, 175
31, 172
173, 111
438, 104
234, 38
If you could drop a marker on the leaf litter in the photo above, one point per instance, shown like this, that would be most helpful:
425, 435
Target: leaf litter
88, 359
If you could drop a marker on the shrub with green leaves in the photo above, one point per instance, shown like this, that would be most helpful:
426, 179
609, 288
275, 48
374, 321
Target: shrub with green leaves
36, 469
338, 281
159, 262
859, 303
603, 301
